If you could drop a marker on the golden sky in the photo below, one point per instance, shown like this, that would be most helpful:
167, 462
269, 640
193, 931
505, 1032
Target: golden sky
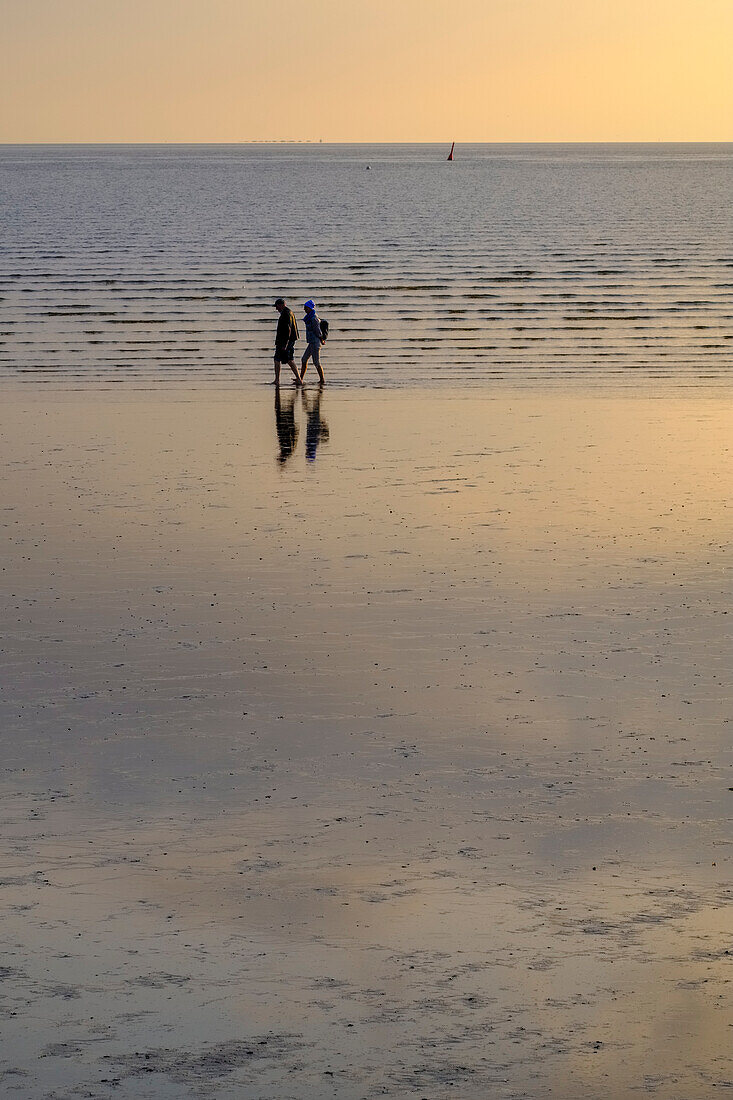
366, 70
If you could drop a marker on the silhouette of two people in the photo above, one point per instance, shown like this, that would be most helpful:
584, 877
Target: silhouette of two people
288, 429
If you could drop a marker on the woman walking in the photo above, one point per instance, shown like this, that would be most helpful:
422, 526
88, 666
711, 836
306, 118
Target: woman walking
314, 337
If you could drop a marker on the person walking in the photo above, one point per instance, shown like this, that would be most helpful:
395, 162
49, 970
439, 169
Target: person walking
314, 337
285, 337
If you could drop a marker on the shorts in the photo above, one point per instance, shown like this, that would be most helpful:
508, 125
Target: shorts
285, 355
313, 351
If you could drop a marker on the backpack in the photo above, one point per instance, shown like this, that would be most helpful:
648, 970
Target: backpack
324, 329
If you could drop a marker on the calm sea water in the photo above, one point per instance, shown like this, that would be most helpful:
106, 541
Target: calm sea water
160, 263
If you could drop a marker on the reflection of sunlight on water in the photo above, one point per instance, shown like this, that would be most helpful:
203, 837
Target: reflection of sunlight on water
658, 1036
558, 264
588, 989
430, 744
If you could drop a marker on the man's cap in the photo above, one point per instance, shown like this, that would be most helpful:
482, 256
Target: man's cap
279, 301
310, 304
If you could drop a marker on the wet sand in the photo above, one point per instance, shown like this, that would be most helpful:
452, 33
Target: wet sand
376, 745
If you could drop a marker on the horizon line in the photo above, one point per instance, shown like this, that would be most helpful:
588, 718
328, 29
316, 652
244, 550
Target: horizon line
435, 141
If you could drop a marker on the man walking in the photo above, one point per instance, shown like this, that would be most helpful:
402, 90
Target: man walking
315, 338
285, 337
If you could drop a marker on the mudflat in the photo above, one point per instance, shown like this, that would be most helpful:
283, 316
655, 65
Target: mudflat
366, 743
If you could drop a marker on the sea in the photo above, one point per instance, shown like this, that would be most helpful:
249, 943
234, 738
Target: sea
155, 264
371, 739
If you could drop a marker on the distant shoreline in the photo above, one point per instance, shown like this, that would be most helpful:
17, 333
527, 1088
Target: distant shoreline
365, 144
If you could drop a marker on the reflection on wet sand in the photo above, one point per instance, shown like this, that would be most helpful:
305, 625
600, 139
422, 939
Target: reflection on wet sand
405, 779
317, 429
287, 428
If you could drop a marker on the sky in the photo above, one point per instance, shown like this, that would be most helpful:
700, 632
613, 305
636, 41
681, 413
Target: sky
365, 70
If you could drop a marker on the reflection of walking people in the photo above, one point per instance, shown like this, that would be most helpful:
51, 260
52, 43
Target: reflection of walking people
285, 337
315, 338
285, 426
316, 427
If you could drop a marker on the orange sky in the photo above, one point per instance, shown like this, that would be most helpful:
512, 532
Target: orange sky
372, 70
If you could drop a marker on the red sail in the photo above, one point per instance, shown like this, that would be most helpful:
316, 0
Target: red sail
450, 155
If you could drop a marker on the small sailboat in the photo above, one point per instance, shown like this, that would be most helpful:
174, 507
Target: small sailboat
450, 155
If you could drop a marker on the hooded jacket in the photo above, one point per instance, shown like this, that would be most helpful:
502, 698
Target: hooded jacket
313, 332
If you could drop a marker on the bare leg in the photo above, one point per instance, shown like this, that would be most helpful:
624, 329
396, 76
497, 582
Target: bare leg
294, 369
277, 371
304, 363
317, 361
